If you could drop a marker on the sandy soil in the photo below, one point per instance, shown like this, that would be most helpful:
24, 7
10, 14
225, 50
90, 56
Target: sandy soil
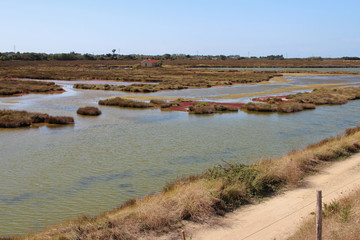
280, 216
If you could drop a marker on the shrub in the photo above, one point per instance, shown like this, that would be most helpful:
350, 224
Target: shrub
290, 107
39, 117
206, 109
261, 107
60, 120
121, 102
91, 111
158, 101
168, 104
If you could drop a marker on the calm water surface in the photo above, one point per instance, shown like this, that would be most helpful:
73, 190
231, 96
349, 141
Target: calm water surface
296, 69
50, 174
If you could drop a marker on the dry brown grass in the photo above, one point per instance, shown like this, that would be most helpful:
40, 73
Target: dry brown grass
15, 119
12, 87
208, 108
341, 219
282, 107
121, 102
331, 96
192, 201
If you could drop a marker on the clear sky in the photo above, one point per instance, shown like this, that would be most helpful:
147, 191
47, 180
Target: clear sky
294, 28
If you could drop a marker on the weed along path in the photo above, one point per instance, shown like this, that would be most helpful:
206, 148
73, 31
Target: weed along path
280, 216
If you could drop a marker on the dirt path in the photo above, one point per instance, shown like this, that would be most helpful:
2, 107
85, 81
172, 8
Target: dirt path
281, 216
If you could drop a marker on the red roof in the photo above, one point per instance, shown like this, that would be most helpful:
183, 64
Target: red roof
151, 60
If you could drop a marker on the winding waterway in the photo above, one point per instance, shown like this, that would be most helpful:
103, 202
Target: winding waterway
50, 174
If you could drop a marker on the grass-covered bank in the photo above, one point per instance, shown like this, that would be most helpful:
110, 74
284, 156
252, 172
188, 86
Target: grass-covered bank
216, 191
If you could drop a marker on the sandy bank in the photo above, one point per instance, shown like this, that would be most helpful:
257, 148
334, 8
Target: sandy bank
279, 217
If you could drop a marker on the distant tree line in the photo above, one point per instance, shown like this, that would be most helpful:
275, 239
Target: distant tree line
8, 56
274, 57
351, 58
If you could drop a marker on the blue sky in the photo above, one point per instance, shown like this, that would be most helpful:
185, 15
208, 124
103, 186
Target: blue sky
294, 28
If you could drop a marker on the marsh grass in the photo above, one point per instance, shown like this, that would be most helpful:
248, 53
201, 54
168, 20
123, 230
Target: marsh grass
208, 108
158, 101
12, 87
60, 120
216, 191
332, 96
121, 102
281, 107
15, 119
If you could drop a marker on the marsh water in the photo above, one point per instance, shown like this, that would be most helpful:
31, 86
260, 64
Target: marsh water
50, 174
315, 69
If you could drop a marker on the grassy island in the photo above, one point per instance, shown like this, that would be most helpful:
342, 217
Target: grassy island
304, 101
121, 102
12, 87
332, 96
15, 119
89, 111
180, 78
214, 192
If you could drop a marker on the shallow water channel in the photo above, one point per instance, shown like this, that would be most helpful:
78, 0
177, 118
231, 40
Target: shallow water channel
50, 174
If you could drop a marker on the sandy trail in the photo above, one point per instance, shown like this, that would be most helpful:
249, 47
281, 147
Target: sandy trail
279, 217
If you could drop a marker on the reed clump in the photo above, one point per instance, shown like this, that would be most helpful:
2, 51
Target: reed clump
89, 111
121, 102
15, 119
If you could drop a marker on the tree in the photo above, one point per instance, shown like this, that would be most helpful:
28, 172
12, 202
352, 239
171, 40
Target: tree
167, 56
